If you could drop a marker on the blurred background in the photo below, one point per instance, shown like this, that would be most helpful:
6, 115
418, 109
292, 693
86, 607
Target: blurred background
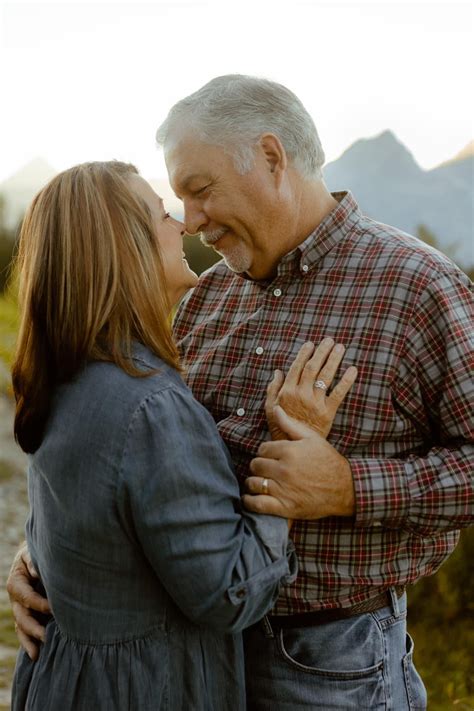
389, 86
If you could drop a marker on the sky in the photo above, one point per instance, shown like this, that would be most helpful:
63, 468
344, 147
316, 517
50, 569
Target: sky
93, 80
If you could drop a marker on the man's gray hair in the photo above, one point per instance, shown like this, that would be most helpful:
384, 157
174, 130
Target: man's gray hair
234, 111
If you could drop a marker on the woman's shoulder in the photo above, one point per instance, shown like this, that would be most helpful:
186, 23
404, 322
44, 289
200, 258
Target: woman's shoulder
109, 377
109, 396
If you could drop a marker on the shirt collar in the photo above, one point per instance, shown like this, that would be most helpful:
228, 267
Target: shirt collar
331, 230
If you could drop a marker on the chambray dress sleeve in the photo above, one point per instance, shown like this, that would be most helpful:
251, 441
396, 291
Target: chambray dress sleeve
223, 567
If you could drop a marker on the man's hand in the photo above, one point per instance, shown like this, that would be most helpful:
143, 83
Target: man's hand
24, 601
305, 478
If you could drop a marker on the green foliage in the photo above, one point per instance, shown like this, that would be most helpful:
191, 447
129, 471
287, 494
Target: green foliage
7, 629
199, 257
451, 588
429, 237
7, 247
8, 651
9, 323
441, 621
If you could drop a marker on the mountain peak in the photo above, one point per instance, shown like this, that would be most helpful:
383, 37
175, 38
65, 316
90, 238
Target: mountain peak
37, 172
376, 155
386, 137
20, 188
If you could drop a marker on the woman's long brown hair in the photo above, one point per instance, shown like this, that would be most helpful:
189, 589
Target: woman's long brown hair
91, 282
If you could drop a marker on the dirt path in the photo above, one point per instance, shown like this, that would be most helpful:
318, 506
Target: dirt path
13, 498
13, 512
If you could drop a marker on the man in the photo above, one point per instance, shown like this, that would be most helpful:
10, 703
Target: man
380, 503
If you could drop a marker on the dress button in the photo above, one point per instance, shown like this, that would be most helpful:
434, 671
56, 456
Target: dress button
277, 292
241, 412
259, 350
305, 267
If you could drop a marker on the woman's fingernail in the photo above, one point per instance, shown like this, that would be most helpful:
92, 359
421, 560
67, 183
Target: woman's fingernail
339, 348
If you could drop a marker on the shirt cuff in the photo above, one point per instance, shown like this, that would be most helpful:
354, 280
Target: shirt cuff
381, 492
283, 570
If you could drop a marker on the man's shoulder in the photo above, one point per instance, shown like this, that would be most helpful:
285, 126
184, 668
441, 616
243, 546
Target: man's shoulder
387, 248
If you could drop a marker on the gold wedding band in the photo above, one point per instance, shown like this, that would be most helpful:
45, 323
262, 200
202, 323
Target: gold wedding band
264, 486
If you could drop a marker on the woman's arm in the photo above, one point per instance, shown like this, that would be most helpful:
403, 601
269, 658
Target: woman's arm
221, 566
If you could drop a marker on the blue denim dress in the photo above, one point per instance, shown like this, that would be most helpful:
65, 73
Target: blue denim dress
150, 566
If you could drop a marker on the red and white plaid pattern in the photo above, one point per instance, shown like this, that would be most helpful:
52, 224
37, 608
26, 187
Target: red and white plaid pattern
404, 313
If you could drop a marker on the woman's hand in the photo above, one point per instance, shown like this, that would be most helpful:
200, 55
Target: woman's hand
25, 601
303, 394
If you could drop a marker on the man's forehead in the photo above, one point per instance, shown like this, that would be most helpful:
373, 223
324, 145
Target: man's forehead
188, 159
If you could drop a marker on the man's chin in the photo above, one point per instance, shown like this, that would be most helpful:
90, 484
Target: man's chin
235, 264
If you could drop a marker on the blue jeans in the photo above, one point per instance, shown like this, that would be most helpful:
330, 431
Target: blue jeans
362, 662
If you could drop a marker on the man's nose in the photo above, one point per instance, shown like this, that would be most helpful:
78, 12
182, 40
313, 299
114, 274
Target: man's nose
195, 219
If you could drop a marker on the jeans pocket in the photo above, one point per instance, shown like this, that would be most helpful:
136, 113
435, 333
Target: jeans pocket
296, 658
323, 679
416, 691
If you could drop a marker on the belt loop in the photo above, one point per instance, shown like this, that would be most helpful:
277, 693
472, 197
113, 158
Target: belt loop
394, 598
267, 628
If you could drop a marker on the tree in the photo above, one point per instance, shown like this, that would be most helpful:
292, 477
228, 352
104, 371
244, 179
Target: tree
7, 246
428, 237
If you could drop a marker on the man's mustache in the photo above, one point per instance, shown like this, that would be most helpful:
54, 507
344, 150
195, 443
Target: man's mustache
211, 237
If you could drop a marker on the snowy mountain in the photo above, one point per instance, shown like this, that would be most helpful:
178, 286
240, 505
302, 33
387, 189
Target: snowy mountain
19, 190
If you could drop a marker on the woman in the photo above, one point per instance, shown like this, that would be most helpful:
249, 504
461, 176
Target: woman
135, 526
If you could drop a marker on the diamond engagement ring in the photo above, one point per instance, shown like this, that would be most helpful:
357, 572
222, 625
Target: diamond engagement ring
264, 486
320, 384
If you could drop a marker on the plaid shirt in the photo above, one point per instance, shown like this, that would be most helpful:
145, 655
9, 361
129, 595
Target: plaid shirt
404, 313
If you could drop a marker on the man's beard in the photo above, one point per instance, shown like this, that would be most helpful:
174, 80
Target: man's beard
237, 258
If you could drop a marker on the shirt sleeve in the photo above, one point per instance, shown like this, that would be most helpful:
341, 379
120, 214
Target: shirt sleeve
432, 491
223, 567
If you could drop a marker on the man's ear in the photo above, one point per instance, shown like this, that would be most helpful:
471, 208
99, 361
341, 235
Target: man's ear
275, 155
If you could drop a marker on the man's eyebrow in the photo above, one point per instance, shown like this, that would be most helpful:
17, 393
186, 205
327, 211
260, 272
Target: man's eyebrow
186, 182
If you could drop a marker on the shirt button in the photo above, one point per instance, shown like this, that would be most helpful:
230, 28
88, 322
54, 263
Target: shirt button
305, 267
277, 292
241, 592
259, 350
241, 412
